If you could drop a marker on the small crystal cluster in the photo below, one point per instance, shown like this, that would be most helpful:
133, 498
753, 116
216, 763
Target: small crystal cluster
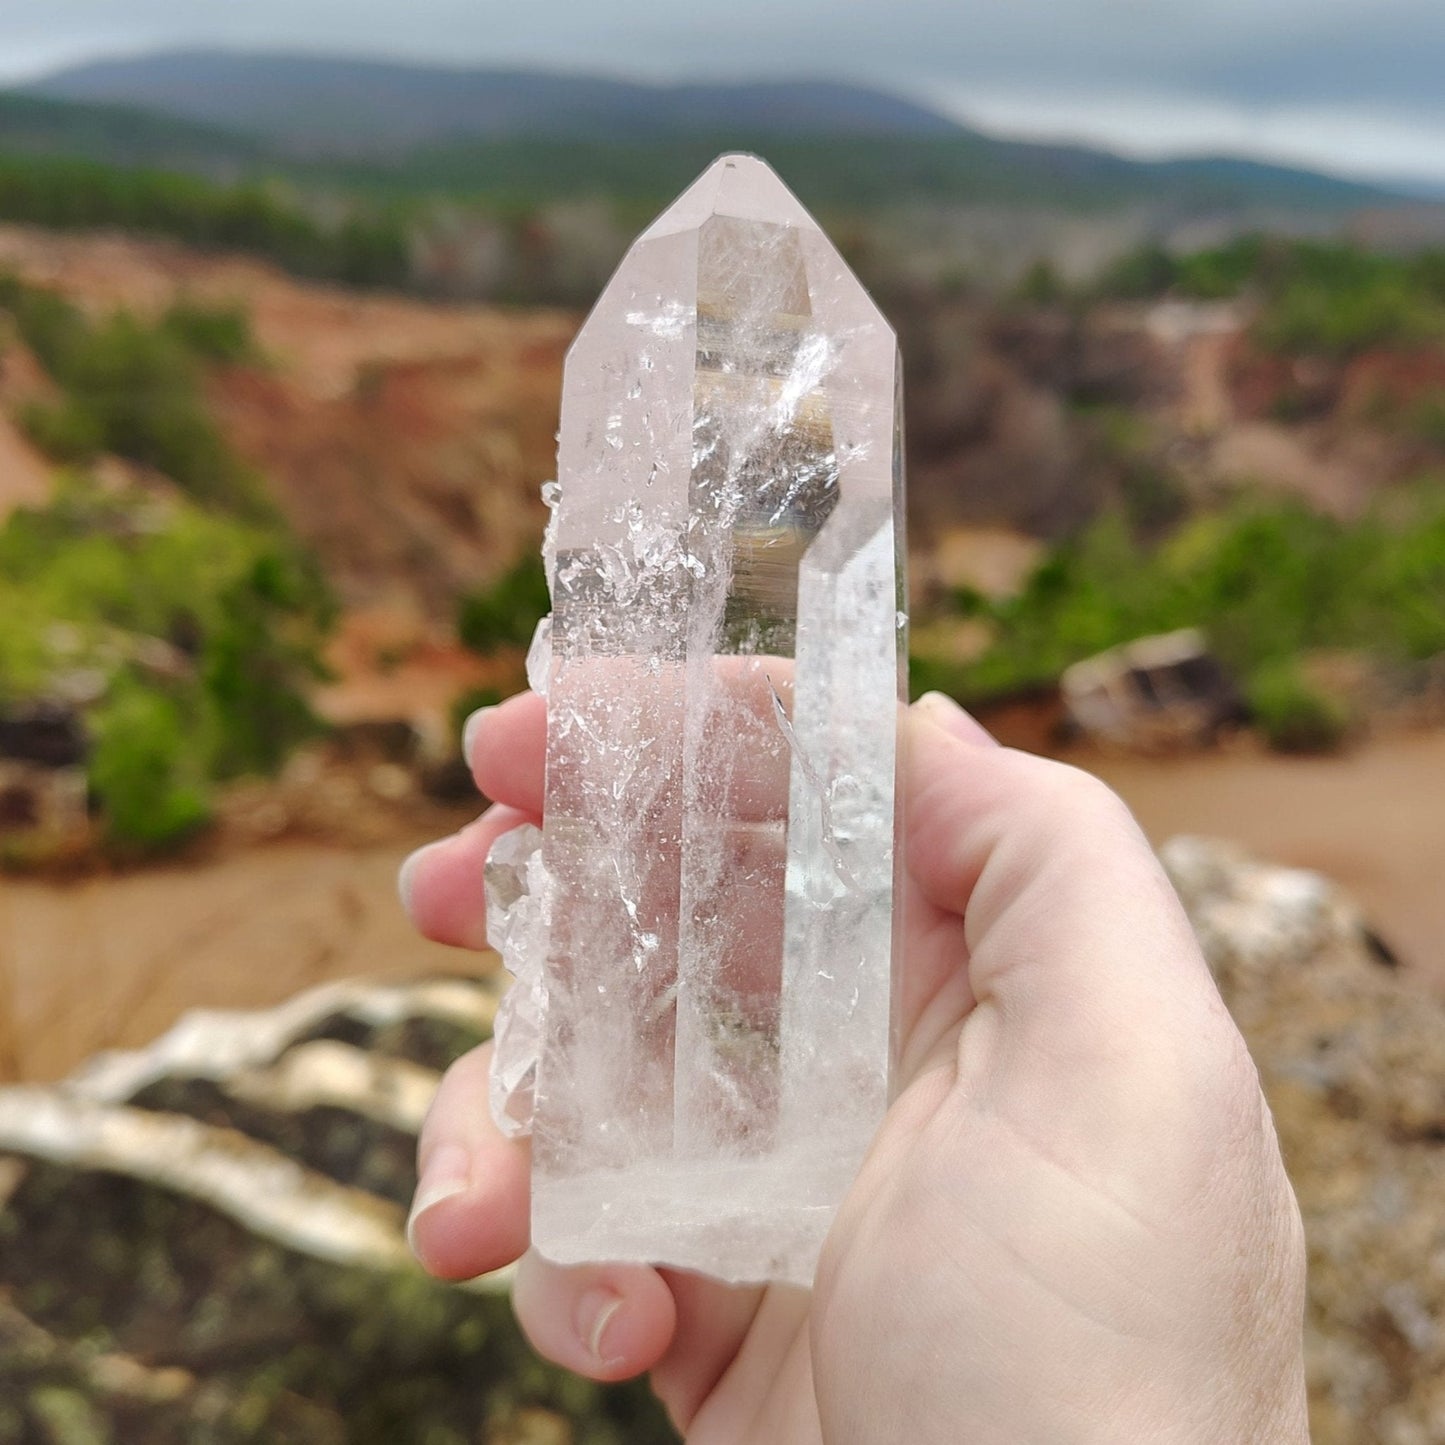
517, 900
699, 1035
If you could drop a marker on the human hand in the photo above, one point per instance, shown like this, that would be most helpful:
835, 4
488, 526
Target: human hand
1073, 1225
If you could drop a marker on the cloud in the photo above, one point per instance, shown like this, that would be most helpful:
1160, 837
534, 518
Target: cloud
1347, 141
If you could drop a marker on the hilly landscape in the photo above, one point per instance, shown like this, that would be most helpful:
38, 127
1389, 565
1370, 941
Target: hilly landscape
119, 134
204, 300
281, 353
517, 135
279, 378
343, 106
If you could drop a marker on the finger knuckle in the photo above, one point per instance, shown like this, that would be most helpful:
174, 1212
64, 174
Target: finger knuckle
1072, 795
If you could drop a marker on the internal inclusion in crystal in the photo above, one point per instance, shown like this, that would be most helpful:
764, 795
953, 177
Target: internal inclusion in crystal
722, 670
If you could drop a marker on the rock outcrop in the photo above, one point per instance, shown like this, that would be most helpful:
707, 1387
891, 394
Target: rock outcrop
204, 1240
1352, 1057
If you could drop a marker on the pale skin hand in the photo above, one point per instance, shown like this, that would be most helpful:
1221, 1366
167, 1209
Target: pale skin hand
1073, 1225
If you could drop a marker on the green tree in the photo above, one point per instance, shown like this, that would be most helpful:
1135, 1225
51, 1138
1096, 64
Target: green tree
506, 614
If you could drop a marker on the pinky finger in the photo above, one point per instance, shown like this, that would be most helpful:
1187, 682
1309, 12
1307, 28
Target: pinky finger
605, 1321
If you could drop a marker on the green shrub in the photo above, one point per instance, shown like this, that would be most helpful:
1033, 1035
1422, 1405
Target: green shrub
48, 324
94, 579
1268, 580
254, 672
1222, 272
141, 389
145, 770
211, 333
1425, 418
927, 673
1343, 318
1214, 274
1293, 715
65, 431
506, 614
135, 390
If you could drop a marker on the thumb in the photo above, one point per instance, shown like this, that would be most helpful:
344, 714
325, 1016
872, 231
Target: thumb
1069, 922
1095, 1031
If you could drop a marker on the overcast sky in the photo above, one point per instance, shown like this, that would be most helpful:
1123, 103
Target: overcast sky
1354, 86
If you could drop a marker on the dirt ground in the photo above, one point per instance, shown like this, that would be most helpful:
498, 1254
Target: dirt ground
111, 961
1372, 819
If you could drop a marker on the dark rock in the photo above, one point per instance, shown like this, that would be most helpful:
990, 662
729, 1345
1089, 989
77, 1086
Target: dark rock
48, 733
338, 1142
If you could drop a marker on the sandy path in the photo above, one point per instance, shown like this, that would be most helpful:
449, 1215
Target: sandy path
112, 961
1373, 820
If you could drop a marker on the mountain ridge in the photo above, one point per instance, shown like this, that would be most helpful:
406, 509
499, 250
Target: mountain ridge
330, 104
116, 132
522, 135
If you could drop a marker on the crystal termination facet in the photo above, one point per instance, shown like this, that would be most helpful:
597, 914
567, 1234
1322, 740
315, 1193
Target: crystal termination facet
700, 1039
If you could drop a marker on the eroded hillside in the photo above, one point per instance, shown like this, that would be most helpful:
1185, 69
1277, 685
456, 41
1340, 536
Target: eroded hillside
404, 441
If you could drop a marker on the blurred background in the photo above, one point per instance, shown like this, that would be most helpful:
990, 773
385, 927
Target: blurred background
284, 295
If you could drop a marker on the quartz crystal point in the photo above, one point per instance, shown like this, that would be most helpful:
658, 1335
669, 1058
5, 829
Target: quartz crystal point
703, 943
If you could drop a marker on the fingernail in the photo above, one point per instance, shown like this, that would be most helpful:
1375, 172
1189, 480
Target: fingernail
470, 729
595, 1312
406, 876
942, 711
448, 1172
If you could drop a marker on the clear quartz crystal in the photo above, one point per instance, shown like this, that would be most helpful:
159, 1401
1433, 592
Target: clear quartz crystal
705, 956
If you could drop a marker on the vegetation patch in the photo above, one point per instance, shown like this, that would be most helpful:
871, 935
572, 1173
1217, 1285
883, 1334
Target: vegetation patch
199, 632
276, 1347
1293, 714
1314, 298
1268, 581
367, 247
220, 334
134, 389
505, 614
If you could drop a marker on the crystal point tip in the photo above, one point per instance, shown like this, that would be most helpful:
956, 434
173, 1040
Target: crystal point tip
739, 185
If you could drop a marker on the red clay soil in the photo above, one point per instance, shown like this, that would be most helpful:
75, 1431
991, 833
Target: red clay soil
24, 473
405, 440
